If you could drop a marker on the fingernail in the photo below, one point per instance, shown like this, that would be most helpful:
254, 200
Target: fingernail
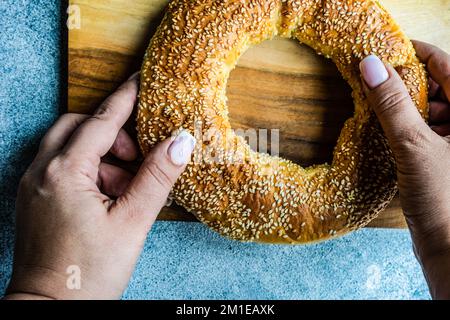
373, 71
134, 76
180, 151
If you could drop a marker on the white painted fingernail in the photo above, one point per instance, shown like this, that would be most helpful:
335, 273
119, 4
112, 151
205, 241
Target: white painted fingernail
373, 71
180, 151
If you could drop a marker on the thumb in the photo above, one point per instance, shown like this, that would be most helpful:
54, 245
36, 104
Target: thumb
389, 98
148, 191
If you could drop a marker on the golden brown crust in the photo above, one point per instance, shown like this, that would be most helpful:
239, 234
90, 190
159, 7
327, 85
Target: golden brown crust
263, 198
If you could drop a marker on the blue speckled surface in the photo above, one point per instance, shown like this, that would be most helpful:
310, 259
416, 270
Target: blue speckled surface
182, 260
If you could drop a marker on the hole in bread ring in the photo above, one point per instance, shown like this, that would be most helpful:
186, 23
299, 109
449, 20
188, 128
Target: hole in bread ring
252, 196
304, 118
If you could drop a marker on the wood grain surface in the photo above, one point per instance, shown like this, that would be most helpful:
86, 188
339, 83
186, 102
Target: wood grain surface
278, 84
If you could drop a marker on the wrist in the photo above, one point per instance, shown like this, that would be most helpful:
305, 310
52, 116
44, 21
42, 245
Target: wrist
431, 246
36, 283
431, 236
25, 296
436, 269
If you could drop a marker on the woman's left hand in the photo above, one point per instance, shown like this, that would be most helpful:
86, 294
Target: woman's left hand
81, 222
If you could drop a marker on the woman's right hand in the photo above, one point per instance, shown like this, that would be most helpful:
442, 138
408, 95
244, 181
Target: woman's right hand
422, 154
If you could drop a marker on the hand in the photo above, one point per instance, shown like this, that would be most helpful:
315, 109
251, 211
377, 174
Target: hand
67, 218
422, 155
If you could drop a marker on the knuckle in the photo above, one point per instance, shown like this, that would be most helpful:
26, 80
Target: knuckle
51, 175
105, 111
69, 163
132, 209
117, 147
105, 114
152, 168
43, 144
413, 148
102, 115
415, 138
128, 204
446, 83
388, 101
26, 180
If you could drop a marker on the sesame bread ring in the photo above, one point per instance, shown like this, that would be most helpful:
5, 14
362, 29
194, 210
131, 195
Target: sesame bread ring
251, 196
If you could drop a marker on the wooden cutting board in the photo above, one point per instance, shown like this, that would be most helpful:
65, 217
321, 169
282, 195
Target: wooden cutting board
277, 85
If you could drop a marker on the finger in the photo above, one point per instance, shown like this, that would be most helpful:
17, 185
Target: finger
447, 139
439, 112
124, 147
435, 91
57, 136
433, 88
388, 96
442, 130
441, 95
148, 192
97, 134
437, 62
112, 180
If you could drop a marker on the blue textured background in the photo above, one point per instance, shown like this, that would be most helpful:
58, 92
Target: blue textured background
181, 260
